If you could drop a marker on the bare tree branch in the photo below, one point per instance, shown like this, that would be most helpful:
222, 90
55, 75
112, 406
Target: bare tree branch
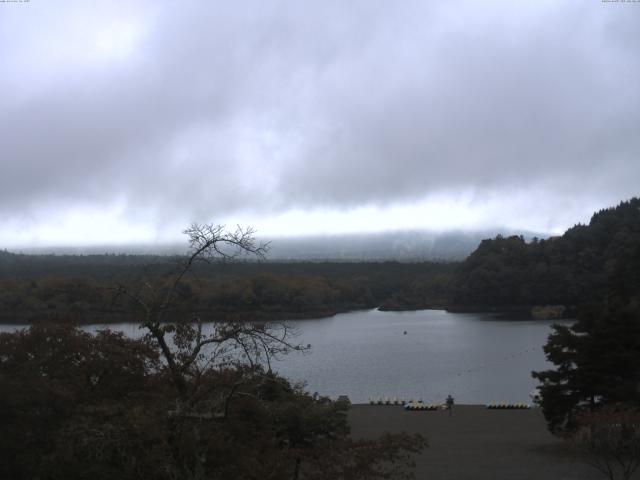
184, 345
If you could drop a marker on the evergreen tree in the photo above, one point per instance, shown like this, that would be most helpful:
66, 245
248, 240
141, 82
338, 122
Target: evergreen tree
597, 363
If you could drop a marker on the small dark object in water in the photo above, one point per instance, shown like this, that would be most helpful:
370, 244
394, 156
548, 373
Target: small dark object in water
405, 332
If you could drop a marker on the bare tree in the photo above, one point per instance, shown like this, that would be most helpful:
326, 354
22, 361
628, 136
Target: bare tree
186, 347
610, 441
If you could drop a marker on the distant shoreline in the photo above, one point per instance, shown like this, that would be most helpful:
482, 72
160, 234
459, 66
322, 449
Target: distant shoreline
102, 317
508, 312
92, 318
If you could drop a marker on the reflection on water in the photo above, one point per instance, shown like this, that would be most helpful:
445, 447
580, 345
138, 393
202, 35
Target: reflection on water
474, 357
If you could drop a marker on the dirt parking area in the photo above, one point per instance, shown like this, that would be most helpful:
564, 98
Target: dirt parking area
476, 443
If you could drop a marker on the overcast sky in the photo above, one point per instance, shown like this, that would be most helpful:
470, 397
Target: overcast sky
123, 121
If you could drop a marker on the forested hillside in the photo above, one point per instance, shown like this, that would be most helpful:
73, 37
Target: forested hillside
587, 264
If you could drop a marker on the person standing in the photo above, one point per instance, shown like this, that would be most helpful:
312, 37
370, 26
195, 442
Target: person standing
449, 403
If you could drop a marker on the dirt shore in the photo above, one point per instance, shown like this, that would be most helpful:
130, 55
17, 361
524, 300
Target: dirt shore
476, 443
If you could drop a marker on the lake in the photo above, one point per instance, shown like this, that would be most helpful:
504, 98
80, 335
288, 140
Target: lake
476, 358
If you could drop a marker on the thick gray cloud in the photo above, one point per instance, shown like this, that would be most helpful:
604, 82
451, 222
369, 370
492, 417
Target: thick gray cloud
198, 110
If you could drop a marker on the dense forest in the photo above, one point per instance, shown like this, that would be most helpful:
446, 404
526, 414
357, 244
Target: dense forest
84, 287
584, 265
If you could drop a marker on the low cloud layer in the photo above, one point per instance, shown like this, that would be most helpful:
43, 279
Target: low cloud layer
172, 112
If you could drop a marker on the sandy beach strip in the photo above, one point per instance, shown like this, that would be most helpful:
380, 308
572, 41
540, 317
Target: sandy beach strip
476, 443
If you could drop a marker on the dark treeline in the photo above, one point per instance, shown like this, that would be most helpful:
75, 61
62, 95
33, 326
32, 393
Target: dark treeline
584, 265
83, 286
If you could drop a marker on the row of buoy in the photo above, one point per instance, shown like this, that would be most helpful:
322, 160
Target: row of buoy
419, 406
496, 362
508, 406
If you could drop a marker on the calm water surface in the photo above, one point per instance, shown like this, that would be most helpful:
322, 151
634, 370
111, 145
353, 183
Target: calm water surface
474, 357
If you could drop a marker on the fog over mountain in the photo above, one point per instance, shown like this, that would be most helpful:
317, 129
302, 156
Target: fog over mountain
399, 246
122, 123
402, 246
